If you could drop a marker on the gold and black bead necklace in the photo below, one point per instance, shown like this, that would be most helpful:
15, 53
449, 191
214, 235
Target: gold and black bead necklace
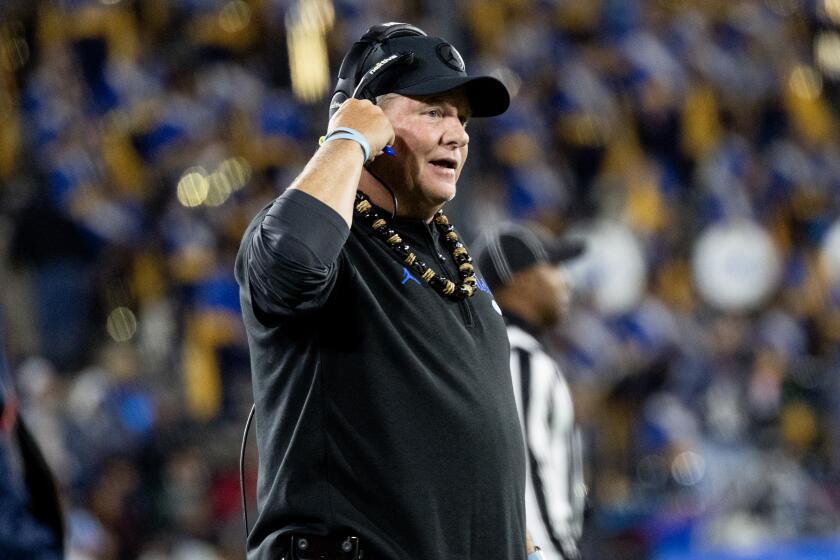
466, 288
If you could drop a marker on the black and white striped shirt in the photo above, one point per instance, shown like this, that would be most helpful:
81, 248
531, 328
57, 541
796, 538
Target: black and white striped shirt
555, 490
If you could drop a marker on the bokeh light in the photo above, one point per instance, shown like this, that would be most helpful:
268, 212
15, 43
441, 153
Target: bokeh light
235, 16
237, 172
219, 188
121, 324
307, 24
14, 49
193, 187
827, 53
736, 266
805, 82
688, 468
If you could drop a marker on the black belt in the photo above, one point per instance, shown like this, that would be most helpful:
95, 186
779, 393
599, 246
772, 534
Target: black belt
315, 547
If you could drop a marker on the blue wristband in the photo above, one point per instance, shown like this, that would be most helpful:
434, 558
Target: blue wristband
536, 555
347, 133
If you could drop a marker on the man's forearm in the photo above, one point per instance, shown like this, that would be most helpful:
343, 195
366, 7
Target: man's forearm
332, 176
333, 173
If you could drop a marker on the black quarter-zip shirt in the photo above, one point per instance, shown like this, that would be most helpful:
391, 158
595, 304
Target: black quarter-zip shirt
383, 408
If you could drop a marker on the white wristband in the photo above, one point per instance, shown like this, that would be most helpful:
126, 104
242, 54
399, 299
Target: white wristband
347, 133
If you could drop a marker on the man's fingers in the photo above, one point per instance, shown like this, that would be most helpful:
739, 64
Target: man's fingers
368, 119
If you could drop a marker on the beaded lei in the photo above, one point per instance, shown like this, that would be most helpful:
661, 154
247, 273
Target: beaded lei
466, 288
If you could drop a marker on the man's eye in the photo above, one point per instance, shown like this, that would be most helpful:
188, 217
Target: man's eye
433, 113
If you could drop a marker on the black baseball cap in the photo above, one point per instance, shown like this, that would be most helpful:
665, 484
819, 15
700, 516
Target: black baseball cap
428, 65
509, 248
438, 67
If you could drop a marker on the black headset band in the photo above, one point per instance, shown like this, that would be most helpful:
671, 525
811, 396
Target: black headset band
378, 35
353, 67
386, 31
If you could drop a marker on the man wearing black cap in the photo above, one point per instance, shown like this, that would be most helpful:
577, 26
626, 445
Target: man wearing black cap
385, 416
522, 270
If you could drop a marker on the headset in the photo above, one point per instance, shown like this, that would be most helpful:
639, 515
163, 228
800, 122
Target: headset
354, 81
366, 62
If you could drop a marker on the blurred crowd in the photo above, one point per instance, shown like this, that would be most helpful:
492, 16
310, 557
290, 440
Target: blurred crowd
695, 144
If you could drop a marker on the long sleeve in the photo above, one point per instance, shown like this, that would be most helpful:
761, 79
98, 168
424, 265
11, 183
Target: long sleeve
288, 258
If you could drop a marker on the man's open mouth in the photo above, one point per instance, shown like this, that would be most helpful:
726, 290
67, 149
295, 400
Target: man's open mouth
445, 163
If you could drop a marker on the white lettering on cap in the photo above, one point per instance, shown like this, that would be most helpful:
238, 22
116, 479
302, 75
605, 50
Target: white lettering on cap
380, 64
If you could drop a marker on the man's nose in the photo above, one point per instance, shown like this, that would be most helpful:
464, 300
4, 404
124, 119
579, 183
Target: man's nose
455, 134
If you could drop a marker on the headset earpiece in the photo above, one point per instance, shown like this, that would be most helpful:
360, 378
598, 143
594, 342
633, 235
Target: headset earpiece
336, 101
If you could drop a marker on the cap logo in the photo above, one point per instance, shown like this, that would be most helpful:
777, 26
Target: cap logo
451, 57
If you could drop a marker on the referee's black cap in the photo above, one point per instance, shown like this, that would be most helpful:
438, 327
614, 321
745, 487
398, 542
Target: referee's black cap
509, 248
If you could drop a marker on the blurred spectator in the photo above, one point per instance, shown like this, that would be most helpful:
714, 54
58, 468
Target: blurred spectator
31, 521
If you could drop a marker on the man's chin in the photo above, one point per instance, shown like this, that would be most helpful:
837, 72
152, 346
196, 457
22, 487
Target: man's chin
429, 197
441, 193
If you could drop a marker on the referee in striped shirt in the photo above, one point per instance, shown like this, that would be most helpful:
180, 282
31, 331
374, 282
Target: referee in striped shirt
521, 268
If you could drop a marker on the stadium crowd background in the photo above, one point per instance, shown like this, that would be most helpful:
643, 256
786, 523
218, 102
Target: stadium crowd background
137, 139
